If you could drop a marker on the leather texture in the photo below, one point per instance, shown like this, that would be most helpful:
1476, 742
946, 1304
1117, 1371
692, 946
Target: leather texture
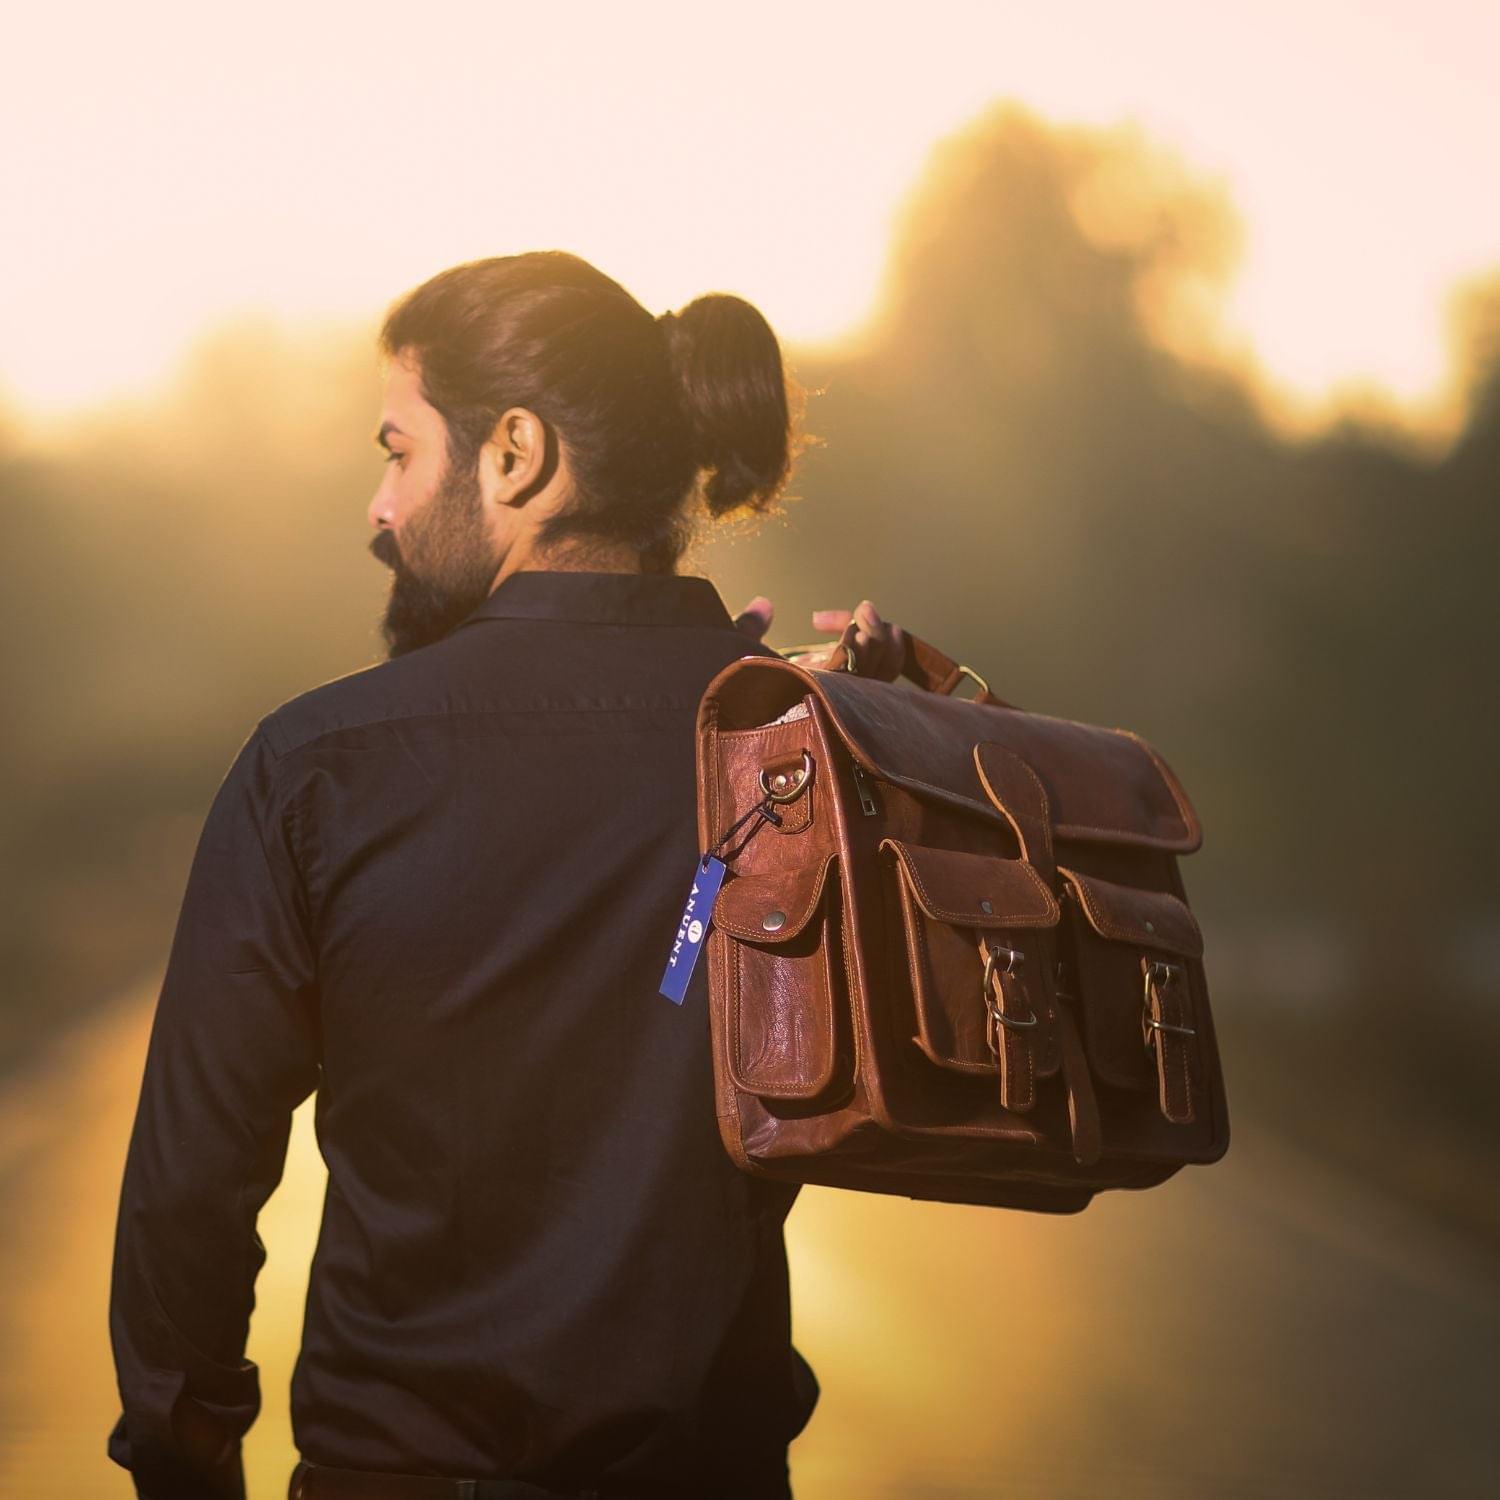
960, 963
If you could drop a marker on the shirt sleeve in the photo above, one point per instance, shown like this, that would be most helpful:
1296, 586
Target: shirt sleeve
234, 1048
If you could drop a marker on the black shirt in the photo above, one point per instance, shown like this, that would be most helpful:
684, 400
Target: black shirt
441, 892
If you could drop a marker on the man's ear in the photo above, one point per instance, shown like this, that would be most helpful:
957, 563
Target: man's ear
513, 462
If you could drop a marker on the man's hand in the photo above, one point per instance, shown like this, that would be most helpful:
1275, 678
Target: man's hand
879, 647
755, 619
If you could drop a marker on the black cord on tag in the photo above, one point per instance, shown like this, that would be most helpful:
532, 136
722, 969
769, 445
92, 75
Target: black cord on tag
767, 813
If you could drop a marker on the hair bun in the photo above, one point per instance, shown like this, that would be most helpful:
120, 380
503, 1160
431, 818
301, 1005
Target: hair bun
733, 388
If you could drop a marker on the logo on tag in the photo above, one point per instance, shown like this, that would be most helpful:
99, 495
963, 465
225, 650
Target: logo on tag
692, 928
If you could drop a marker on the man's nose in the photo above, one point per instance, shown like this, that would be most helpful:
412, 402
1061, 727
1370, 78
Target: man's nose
380, 514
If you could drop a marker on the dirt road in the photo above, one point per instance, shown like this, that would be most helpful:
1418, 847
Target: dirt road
1263, 1327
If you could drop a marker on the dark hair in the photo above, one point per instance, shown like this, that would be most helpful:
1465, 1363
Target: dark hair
652, 412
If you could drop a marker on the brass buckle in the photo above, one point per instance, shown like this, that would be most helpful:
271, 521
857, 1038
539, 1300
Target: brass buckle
973, 677
1163, 974
820, 647
785, 795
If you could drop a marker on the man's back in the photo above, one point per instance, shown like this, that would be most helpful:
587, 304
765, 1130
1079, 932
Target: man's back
536, 1259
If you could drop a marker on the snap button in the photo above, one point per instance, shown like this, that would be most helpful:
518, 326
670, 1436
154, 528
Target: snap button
985, 906
773, 921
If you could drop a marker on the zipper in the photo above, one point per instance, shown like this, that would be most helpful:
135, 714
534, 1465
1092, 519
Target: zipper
862, 786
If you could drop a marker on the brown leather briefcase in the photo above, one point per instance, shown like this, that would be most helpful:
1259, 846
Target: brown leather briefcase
951, 956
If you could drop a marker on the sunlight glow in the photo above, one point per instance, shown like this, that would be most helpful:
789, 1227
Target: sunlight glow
187, 165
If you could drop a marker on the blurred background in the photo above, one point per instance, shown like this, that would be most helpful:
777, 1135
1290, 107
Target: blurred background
1155, 355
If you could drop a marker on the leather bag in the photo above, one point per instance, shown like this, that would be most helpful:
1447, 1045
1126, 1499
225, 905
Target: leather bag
952, 956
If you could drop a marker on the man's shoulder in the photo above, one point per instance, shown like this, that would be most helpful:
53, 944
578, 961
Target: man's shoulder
435, 679
393, 689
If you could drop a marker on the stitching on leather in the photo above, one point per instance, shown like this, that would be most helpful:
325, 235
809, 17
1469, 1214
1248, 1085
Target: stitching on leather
964, 919
1112, 929
1179, 1049
851, 986
914, 921
1185, 814
1065, 830
742, 1076
728, 1097
1087, 942
1171, 1056
999, 801
746, 934
734, 1017
916, 944
1189, 1018
1023, 1045
762, 731
830, 929
1042, 793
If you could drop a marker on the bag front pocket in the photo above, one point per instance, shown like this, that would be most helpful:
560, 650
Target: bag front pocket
788, 1013
977, 949
1137, 954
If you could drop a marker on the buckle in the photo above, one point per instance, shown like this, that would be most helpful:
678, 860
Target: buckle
974, 677
994, 1013
784, 788
1161, 974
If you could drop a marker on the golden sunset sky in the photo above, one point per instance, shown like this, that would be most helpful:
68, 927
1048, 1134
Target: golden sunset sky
172, 166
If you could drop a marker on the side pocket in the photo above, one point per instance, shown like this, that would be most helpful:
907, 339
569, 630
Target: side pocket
788, 1031
978, 953
1138, 959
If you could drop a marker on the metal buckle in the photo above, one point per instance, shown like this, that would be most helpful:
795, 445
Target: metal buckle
1163, 974
994, 1015
1012, 956
973, 677
819, 648
787, 795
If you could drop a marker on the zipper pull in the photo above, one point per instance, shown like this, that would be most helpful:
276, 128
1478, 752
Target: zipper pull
862, 786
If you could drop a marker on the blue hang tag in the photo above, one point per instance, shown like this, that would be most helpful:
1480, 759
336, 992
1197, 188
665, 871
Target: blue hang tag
693, 928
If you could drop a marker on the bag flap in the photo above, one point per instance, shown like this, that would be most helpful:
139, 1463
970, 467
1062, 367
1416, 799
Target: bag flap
1103, 785
953, 886
771, 907
1152, 919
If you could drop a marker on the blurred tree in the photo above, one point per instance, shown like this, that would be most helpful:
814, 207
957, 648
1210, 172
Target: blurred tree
1033, 456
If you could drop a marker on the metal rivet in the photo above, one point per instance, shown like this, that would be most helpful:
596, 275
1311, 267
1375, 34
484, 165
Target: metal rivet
1150, 927
779, 780
985, 906
773, 921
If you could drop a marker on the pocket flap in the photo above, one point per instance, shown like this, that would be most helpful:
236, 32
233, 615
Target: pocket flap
952, 886
773, 907
1152, 919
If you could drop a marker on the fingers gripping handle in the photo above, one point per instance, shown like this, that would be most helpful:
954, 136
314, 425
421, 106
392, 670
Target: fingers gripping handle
924, 665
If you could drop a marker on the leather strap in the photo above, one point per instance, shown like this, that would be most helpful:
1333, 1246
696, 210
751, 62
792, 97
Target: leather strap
1166, 1008
1013, 1047
1083, 1107
931, 669
1012, 786
1016, 792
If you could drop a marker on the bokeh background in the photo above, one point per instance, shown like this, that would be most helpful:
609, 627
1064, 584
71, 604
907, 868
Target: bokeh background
1155, 359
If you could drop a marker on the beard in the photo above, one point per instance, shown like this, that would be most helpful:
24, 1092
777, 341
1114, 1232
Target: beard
442, 568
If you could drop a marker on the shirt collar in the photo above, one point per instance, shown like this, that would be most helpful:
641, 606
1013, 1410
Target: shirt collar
616, 598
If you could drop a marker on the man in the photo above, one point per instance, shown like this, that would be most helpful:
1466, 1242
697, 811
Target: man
439, 892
